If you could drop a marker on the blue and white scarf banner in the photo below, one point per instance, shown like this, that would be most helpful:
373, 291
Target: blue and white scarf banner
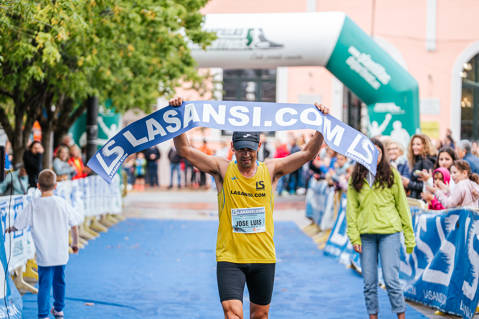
169, 122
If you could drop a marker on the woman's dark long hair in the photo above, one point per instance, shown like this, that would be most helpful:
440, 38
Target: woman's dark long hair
384, 173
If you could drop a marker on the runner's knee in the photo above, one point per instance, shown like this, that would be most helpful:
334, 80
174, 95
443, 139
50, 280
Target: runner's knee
233, 310
232, 315
259, 313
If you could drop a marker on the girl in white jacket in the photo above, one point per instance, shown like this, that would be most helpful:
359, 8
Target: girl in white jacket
466, 191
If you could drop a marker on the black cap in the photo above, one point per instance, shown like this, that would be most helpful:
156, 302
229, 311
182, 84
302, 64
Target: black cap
245, 140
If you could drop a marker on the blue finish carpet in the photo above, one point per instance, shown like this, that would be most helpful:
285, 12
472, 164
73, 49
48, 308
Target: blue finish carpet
167, 269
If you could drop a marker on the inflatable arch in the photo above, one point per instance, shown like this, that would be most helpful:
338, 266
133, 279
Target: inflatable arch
329, 39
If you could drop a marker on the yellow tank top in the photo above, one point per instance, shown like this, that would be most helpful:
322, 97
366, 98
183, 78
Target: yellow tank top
245, 209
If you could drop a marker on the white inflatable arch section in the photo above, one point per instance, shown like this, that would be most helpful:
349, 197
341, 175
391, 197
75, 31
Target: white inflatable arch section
329, 39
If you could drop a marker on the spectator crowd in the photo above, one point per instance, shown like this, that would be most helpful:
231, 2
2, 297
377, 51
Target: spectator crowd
67, 163
443, 174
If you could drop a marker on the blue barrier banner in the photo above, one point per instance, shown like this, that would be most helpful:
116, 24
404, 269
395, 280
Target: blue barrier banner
11, 304
17, 247
338, 244
320, 193
443, 270
169, 122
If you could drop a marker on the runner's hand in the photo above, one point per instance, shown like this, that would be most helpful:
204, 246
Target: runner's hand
177, 101
322, 108
75, 249
357, 248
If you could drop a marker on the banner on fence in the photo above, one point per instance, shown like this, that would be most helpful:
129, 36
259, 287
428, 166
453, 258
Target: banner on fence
443, 270
320, 203
169, 122
10, 299
88, 196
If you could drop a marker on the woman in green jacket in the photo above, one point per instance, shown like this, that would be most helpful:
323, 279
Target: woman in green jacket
376, 216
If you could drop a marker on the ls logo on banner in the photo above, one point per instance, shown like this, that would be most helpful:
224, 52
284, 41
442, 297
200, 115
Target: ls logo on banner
170, 121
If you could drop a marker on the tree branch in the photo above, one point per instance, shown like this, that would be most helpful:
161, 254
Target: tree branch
6, 93
76, 114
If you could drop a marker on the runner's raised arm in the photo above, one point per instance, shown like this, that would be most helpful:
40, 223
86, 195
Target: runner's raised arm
206, 163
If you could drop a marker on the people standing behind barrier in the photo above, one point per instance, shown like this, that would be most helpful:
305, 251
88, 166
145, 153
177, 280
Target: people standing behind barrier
207, 150
420, 157
294, 178
175, 161
77, 163
190, 175
397, 159
341, 181
129, 169
8, 157
442, 175
463, 151
376, 215
328, 158
336, 176
314, 172
33, 162
475, 148
152, 156
445, 159
263, 152
16, 182
280, 152
61, 166
140, 170
224, 150
49, 217
466, 191
449, 140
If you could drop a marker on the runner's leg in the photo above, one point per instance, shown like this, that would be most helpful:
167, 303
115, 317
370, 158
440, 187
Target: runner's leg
260, 281
231, 279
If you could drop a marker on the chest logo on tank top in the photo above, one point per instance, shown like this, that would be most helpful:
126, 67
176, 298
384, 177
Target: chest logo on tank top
260, 185
248, 220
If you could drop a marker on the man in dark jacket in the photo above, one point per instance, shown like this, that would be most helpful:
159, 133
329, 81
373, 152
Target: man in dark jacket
152, 156
175, 160
32, 160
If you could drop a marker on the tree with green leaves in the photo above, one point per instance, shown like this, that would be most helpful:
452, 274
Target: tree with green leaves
56, 53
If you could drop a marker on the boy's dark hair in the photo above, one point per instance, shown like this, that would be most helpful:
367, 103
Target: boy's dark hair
47, 180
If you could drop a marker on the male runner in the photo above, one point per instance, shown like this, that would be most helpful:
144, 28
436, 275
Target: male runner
245, 249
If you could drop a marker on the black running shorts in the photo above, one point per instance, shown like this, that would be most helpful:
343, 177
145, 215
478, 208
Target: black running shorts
259, 278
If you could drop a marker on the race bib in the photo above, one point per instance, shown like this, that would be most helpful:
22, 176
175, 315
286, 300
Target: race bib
248, 220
